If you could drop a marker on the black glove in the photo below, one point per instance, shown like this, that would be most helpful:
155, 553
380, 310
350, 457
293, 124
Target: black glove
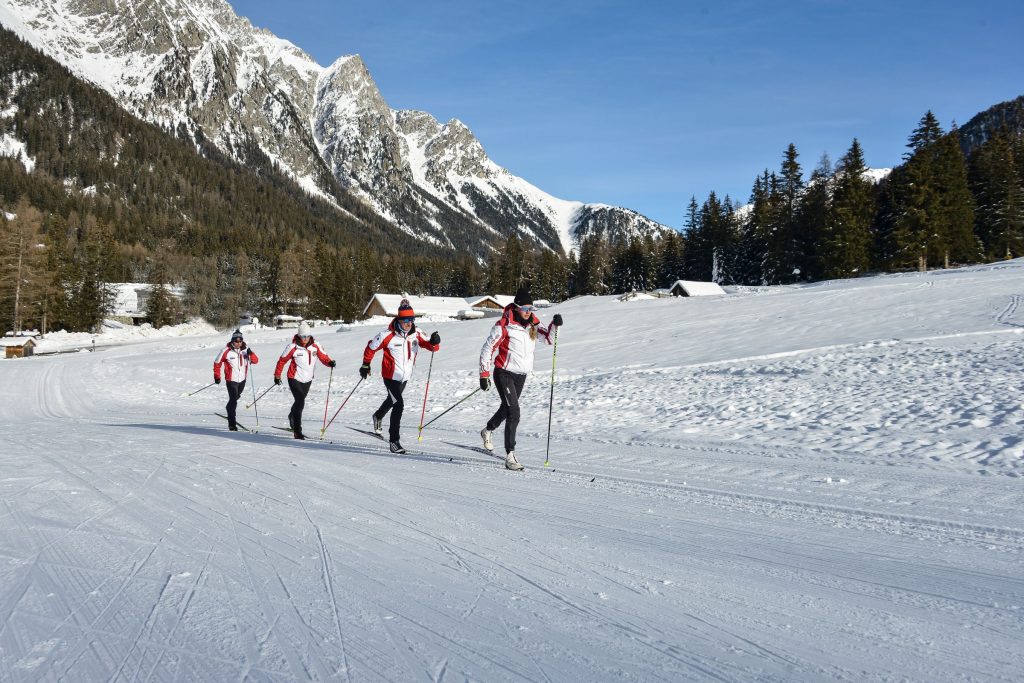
557, 320
277, 379
332, 364
216, 380
435, 339
485, 383
364, 370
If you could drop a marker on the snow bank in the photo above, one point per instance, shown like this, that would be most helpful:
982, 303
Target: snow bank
115, 333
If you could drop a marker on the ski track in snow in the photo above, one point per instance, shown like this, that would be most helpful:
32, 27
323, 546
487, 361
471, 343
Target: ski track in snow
797, 483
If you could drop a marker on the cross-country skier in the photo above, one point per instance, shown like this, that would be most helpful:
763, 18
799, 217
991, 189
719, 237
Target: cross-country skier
401, 342
511, 344
300, 355
234, 360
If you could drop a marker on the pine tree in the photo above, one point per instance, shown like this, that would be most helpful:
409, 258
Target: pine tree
849, 238
812, 221
508, 271
22, 268
955, 211
672, 262
996, 183
915, 199
695, 249
162, 307
592, 266
781, 258
927, 134
753, 233
90, 297
934, 209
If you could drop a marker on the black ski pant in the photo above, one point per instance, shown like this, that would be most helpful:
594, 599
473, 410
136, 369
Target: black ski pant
395, 404
299, 391
510, 387
235, 390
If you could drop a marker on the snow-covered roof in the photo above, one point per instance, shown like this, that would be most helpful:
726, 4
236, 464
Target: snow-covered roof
501, 300
694, 288
16, 341
422, 305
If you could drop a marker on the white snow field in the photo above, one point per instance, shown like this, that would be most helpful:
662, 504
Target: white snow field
787, 484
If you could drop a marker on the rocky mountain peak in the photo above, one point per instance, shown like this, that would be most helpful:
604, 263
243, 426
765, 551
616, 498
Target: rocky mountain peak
197, 65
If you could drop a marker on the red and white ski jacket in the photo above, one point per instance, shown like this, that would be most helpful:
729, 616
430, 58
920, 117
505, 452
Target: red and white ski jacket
300, 359
511, 345
400, 351
235, 363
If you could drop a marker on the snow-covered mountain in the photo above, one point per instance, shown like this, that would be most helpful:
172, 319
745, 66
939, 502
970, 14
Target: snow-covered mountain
199, 68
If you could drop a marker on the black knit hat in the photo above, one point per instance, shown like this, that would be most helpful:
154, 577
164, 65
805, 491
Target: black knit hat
237, 334
523, 297
405, 309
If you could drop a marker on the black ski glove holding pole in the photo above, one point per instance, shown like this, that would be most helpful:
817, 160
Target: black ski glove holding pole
485, 383
216, 380
364, 370
332, 364
557, 320
277, 379
435, 339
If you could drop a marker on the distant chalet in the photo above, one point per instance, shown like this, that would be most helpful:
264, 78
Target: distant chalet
694, 288
438, 306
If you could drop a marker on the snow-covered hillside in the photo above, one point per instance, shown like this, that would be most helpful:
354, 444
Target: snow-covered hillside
803, 483
197, 65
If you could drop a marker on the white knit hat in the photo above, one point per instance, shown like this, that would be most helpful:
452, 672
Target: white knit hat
304, 329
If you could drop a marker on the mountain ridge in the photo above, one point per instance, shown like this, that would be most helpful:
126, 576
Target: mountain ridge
198, 66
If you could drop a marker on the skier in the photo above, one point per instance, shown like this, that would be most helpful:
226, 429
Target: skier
401, 342
299, 356
513, 337
235, 360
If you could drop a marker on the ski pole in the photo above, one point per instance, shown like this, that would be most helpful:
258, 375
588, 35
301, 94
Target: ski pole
328, 402
551, 402
341, 406
198, 390
260, 396
253, 379
445, 412
425, 392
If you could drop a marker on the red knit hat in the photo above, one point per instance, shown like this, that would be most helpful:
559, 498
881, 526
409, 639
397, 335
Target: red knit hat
405, 309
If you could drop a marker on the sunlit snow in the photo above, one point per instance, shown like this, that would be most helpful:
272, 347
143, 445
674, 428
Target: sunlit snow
808, 483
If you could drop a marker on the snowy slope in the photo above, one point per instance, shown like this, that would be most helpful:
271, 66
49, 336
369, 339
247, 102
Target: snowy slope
792, 483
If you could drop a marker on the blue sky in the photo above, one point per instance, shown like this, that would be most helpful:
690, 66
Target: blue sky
645, 103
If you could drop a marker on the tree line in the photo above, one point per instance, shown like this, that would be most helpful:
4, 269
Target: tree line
939, 208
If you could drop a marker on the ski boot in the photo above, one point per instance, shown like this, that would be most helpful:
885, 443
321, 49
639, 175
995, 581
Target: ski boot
511, 463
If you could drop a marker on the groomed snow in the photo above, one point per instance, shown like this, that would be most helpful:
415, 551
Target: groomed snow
783, 484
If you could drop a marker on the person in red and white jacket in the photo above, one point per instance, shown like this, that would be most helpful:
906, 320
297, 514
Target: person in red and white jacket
401, 342
233, 363
510, 344
300, 356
